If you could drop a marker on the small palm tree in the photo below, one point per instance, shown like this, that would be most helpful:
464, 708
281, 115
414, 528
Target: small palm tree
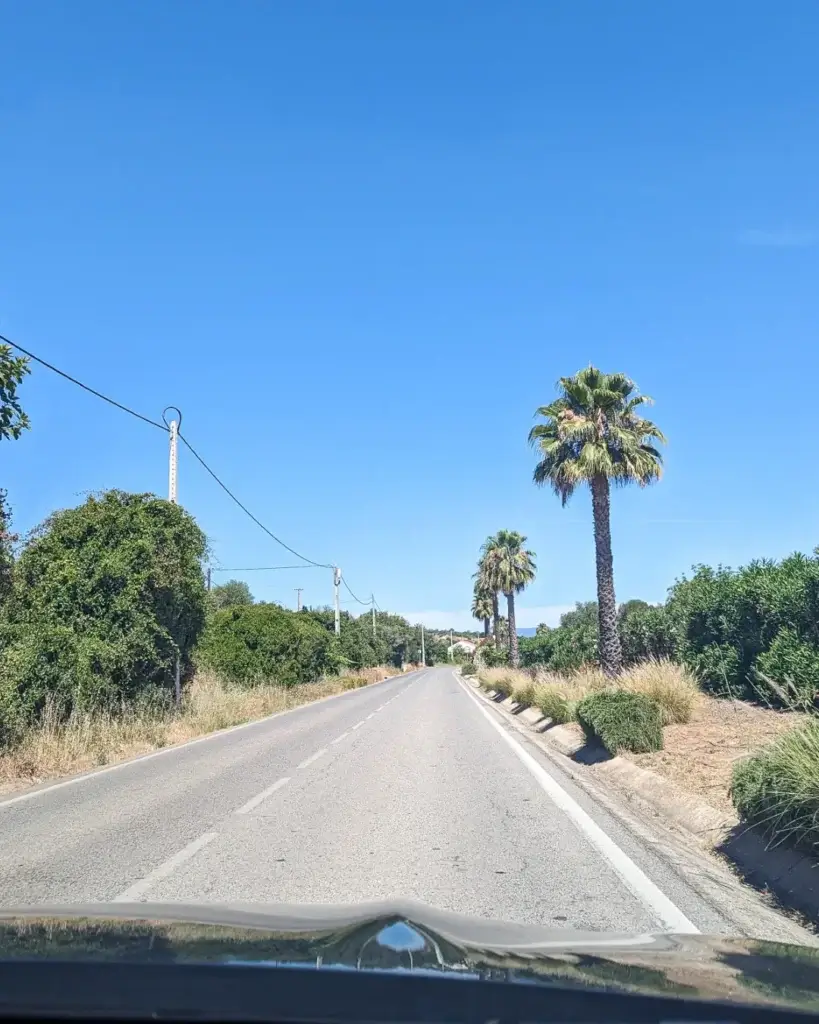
593, 435
482, 608
509, 567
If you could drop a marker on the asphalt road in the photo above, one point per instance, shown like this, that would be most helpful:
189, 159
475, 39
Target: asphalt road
411, 788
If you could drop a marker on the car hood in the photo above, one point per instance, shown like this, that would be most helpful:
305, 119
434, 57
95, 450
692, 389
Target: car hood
404, 935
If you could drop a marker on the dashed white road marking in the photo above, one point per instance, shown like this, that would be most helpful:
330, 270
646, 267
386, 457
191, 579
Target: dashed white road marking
135, 892
265, 793
312, 758
338, 739
359, 724
633, 876
372, 715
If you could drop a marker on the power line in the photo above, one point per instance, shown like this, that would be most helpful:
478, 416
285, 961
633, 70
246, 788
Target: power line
199, 459
269, 568
347, 585
85, 387
246, 510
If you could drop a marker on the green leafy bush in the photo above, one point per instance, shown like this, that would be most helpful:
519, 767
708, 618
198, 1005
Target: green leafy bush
469, 668
790, 668
778, 788
260, 643
622, 720
103, 597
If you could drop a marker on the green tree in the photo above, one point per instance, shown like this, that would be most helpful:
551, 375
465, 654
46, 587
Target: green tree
104, 597
263, 643
509, 567
13, 421
7, 541
482, 608
594, 436
230, 595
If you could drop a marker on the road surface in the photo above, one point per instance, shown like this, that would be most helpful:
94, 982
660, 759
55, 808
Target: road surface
409, 788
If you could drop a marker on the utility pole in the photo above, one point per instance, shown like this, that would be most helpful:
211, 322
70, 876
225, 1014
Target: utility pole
336, 585
423, 650
298, 597
173, 426
372, 602
172, 429
208, 579
451, 651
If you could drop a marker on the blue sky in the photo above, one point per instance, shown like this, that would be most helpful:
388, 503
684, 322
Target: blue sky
357, 243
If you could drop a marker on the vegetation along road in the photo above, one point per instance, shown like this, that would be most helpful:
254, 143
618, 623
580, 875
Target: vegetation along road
413, 786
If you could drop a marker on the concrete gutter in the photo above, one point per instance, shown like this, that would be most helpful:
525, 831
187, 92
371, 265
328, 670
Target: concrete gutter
791, 876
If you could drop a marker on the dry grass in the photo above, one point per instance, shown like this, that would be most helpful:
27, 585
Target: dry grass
700, 755
672, 686
88, 740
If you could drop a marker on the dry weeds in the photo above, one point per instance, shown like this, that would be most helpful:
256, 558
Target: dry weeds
87, 740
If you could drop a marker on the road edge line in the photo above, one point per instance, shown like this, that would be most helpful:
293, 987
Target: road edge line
633, 876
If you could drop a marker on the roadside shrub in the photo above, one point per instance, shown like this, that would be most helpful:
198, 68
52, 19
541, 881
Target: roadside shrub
469, 668
554, 704
778, 788
260, 643
622, 720
524, 693
353, 682
503, 680
494, 657
646, 632
794, 666
103, 597
671, 686
720, 670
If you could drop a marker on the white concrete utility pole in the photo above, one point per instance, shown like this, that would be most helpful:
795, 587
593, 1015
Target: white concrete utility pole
423, 651
172, 432
372, 602
172, 478
298, 597
336, 585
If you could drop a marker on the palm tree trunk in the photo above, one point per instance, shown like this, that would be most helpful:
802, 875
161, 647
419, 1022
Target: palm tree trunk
514, 657
485, 629
611, 654
495, 617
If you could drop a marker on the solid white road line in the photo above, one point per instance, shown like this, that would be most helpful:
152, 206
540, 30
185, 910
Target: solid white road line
312, 758
138, 889
359, 724
338, 739
635, 878
265, 793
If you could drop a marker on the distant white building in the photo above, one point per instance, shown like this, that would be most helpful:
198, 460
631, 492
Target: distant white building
467, 646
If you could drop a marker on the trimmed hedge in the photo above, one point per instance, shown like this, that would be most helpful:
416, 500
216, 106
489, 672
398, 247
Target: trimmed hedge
622, 720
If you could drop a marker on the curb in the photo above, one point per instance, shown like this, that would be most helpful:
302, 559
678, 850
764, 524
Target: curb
790, 875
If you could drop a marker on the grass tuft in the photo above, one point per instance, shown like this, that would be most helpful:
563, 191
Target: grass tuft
778, 788
672, 686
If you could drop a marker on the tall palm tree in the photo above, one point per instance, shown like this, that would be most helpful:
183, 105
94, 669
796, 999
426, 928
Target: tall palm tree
483, 581
593, 435
509, 567
482, 608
